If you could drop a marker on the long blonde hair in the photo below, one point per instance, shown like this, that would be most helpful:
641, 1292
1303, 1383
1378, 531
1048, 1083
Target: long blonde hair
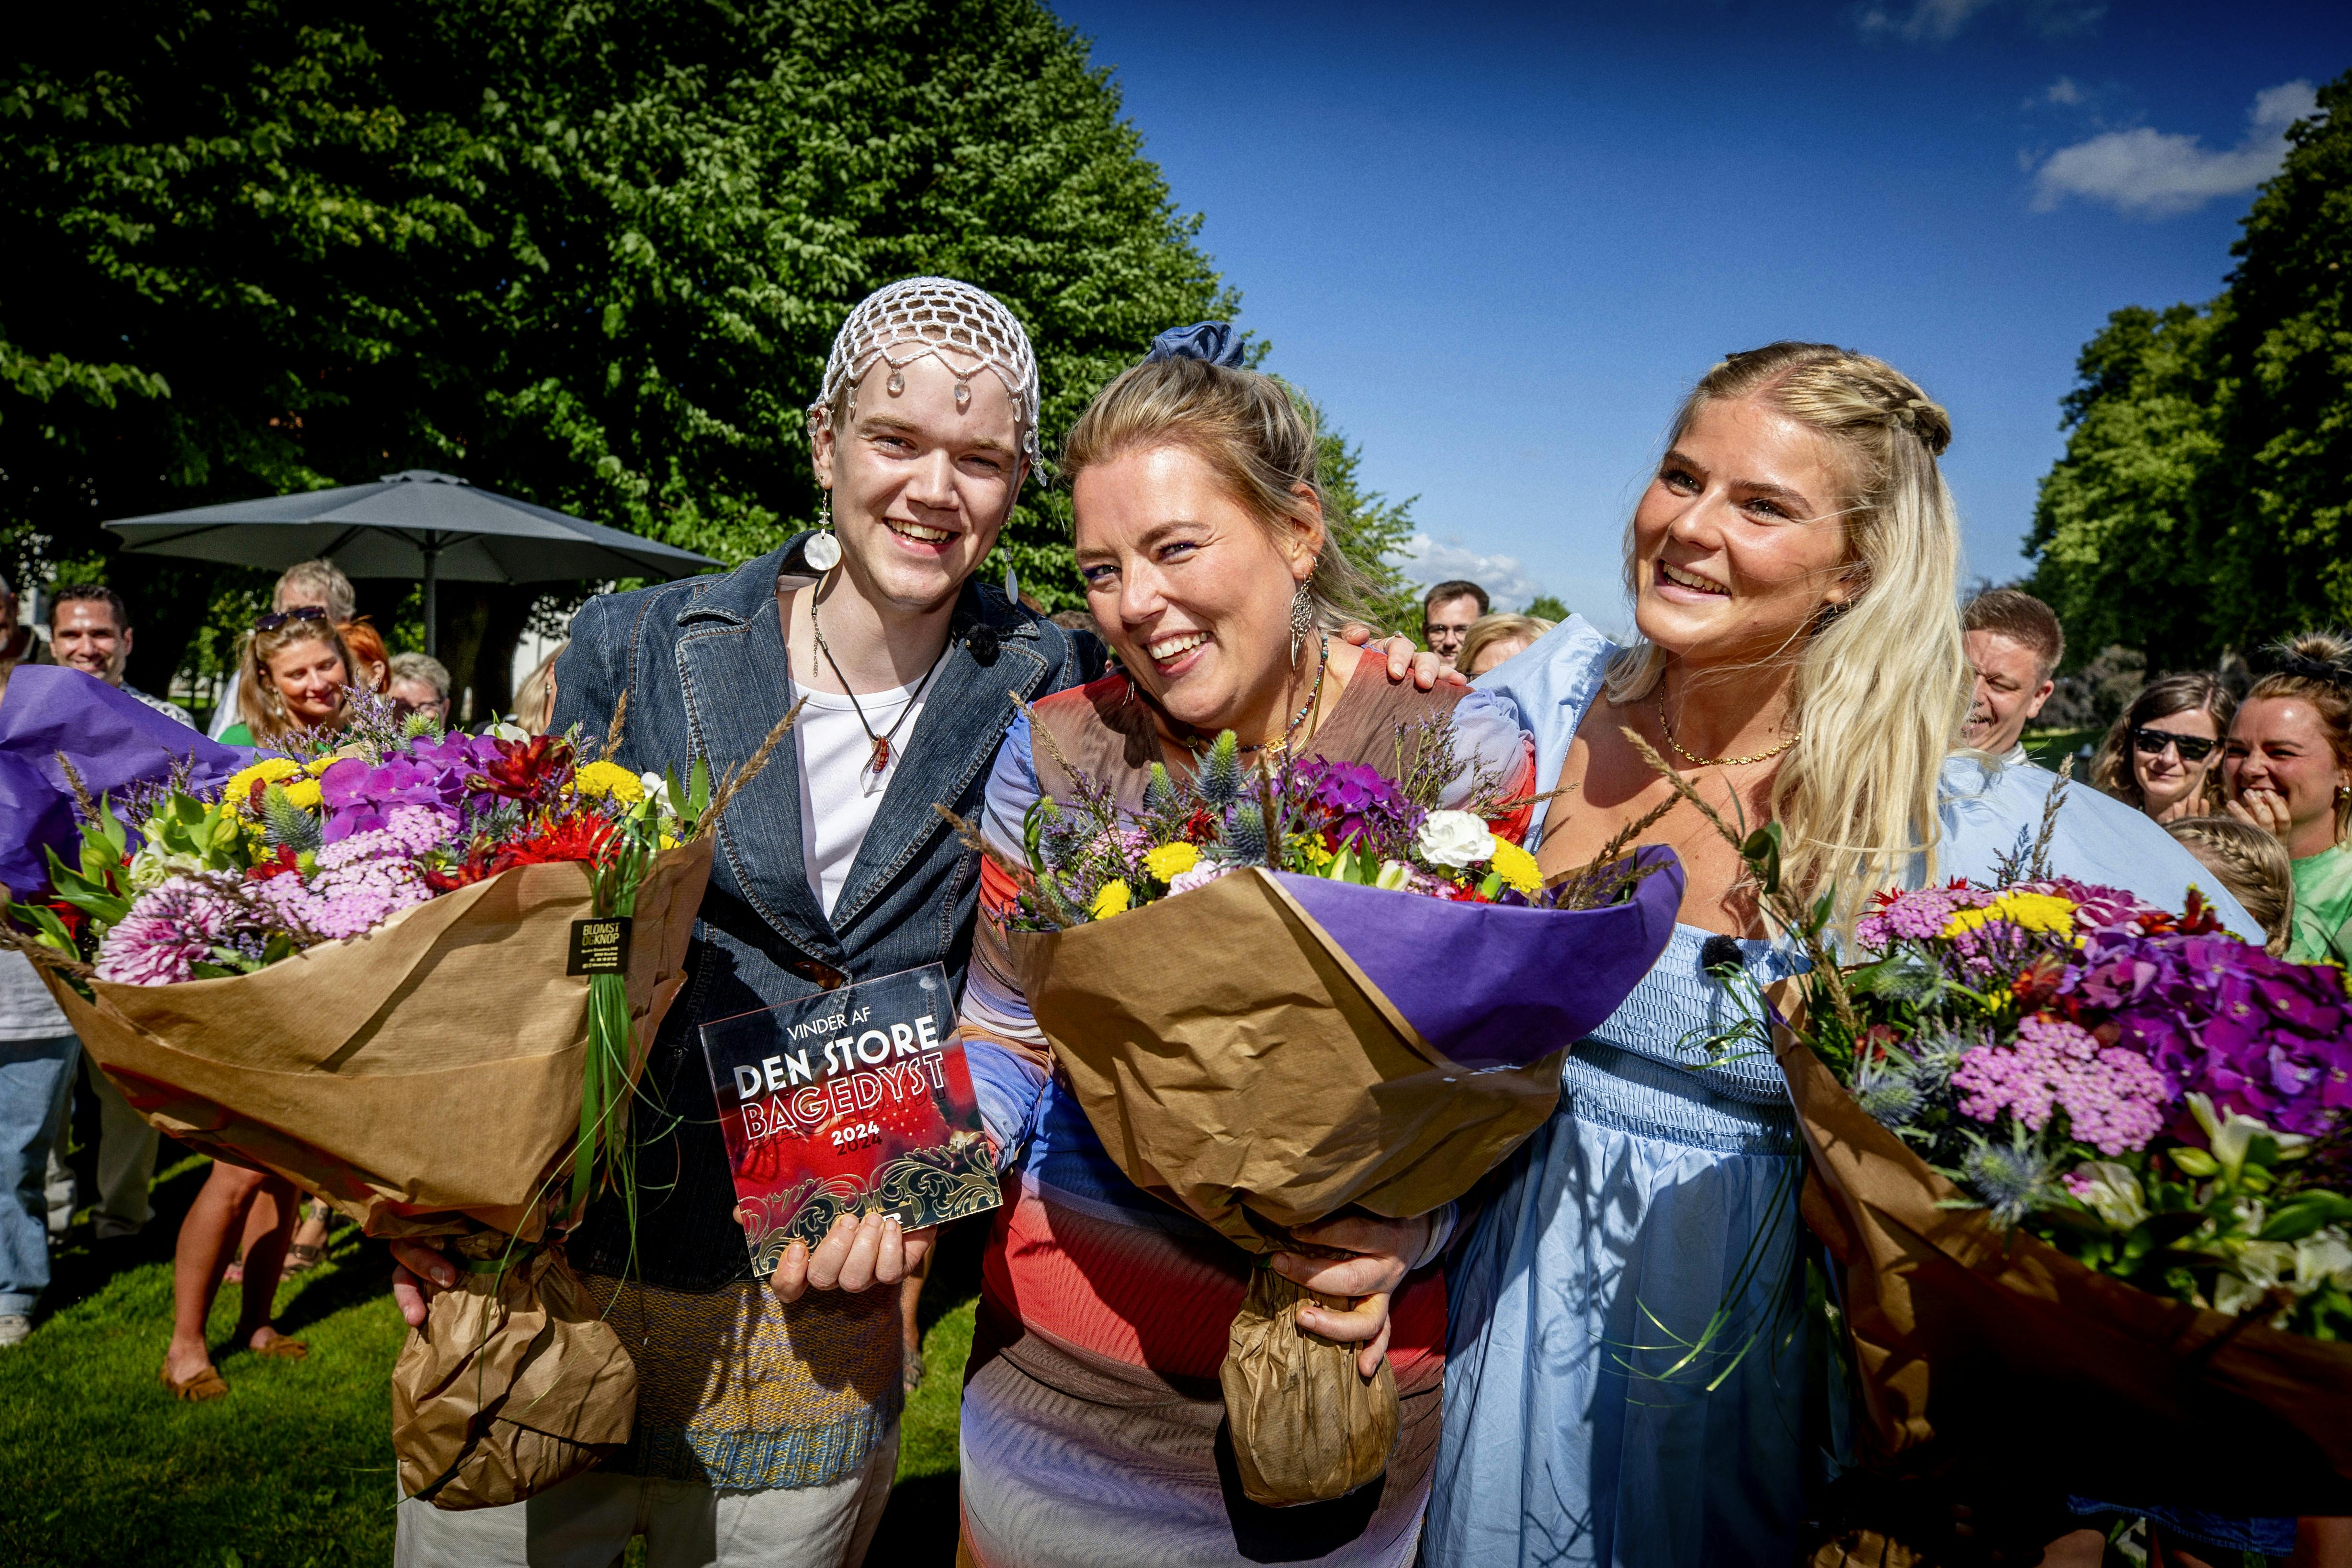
1881, 684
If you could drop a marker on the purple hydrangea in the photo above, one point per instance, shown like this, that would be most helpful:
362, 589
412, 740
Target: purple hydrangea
2113, 1099
1348, 800
435, 775
2213, 1015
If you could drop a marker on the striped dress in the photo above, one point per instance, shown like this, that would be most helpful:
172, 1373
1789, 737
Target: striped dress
1092, 1410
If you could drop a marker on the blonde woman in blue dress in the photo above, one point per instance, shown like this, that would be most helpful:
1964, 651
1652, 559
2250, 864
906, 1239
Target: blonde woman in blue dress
1793, 566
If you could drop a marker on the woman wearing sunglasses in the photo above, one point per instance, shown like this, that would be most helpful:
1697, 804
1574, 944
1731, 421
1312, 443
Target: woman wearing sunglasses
294, 671
2161, 754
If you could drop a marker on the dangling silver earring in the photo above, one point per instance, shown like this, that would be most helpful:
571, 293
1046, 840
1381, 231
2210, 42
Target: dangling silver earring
1302, 620
822, 551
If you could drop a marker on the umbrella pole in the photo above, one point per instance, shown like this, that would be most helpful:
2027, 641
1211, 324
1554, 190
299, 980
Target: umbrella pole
432, 619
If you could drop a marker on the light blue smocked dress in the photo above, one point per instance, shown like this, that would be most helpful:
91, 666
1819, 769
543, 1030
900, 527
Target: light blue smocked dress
1625, 1371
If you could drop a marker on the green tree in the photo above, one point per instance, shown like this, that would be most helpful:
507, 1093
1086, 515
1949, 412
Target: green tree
1370, 527
1548, 607
587, 252
2204, 502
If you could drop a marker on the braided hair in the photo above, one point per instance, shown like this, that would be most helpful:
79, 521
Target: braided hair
2251, 863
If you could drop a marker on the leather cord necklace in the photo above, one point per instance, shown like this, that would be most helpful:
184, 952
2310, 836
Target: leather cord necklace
881, 742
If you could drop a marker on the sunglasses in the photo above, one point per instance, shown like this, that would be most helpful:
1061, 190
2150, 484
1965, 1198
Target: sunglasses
276, 617
2152, 742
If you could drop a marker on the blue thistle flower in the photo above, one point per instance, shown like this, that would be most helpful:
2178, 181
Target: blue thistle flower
1246, 833
1160, 791
1221, 773
2012, 1180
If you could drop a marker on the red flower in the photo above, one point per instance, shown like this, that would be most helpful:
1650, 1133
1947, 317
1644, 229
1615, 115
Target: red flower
533, 772
281, 861
586, 837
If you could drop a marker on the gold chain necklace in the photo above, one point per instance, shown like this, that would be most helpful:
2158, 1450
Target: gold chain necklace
1697, 760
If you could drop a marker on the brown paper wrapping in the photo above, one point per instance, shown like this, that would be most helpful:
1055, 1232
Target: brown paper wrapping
1970, 1344
1306, 1427
424, 1079
514, 1384
1237, 1064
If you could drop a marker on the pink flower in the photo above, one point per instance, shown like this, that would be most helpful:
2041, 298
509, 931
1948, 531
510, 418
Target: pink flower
2113, 1099
170, 929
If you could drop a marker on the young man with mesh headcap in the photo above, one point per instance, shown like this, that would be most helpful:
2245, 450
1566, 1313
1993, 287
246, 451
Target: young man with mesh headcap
768, 1410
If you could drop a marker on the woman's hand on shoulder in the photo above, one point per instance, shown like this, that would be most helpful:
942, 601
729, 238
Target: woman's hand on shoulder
1427, 670
856, 1254
1379, 1254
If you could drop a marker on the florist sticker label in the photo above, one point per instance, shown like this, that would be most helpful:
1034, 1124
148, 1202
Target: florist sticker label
600, 946
849, 1102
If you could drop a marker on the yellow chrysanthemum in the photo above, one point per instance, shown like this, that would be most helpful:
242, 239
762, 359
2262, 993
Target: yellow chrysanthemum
304, 793
1516, 868
1169, 862
609, 782
319, 765
2030, 911
273, 768
1113, 899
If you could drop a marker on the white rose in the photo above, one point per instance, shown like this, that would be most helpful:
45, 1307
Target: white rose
1454, 839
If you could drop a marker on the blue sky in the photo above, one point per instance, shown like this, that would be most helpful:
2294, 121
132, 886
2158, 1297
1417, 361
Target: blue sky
1497, 243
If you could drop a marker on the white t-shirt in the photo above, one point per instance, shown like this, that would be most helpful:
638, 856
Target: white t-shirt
840, 791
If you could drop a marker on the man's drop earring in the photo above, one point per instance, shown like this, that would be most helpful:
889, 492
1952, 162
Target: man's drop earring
822, 551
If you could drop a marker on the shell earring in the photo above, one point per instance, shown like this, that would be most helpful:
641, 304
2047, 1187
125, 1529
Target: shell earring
822, 551
1302, 620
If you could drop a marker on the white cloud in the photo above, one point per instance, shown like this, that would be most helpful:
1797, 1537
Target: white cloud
1428, 560
2155, 174
1940, 21
2065, 92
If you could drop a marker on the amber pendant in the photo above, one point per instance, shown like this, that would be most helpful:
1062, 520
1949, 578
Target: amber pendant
881, 755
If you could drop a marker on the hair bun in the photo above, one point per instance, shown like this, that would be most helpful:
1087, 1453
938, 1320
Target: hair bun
2317, 657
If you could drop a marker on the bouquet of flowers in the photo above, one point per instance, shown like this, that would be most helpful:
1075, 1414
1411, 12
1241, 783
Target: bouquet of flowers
1371, 1010
2075, 1154
293, 966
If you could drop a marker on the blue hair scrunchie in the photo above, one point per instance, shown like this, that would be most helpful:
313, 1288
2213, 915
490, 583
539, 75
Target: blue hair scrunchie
1214, 342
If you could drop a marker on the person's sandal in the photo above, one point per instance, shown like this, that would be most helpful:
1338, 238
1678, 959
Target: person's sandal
206, 1385
284, 1349
301, 1255
911, 1377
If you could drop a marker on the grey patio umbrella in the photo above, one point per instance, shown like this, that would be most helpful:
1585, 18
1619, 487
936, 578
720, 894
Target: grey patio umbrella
416, 523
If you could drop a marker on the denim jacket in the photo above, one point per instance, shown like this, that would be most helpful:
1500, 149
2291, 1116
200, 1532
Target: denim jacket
704, 665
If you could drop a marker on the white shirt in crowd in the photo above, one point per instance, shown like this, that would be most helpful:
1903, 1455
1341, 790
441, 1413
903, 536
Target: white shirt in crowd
838, 773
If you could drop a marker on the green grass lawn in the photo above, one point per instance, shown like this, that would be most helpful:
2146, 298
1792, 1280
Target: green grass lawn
295, 1467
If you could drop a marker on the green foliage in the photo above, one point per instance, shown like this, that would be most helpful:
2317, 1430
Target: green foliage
1548, 607
590, 254
1370, 527
2204, 502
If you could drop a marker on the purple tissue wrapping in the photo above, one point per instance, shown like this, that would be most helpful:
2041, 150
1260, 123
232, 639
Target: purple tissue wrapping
1491, 985
112, 741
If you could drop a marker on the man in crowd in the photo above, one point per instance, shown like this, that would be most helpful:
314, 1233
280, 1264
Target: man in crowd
1447, 612
422, 682
37, 1051
2014, 643
305, 583
89, 631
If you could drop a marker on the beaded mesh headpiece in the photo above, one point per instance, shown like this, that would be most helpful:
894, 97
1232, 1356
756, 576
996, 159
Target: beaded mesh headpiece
917, 316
